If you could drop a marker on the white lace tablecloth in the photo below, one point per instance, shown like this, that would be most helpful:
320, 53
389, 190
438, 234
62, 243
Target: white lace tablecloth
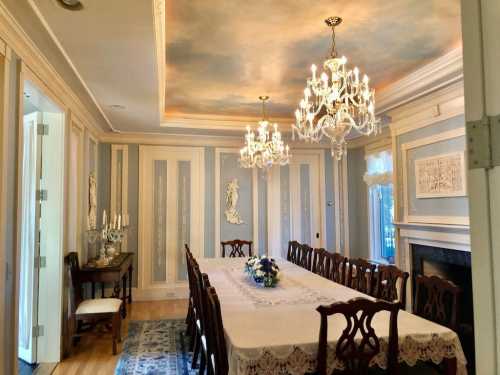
276, 330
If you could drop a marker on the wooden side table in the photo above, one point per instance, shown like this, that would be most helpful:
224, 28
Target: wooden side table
117, 272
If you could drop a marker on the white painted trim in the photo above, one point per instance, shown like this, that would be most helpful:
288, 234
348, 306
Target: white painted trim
439, 106
56, 41
219, 122
17, 39
218, 191
274, 213
345, 198
405, 147
160, 51
3, 48
443, 71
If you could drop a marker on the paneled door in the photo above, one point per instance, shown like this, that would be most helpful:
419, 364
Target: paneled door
297, 202
171, 212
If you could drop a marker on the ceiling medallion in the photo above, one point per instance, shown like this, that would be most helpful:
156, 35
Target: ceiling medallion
335, 103
264, 149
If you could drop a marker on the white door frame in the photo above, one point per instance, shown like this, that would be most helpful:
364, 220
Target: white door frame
171, 288
480, 31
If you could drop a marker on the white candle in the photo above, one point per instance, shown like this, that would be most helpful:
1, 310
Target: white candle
128, 220
119, 221
104, 218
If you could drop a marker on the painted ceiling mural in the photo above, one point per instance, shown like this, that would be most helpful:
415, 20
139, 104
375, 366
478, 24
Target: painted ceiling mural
223, 54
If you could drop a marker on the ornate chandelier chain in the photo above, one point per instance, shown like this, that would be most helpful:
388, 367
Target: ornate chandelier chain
335, 103
264, 149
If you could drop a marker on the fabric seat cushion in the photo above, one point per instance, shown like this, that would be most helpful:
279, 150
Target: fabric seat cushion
99, 306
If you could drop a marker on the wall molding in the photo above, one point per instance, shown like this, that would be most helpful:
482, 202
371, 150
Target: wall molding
218, 191
405, 147
114, 187
160, 51
441, 72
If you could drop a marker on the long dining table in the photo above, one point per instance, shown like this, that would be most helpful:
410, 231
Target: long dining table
276, 330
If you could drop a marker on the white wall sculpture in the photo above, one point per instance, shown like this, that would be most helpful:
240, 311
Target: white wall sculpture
232, 196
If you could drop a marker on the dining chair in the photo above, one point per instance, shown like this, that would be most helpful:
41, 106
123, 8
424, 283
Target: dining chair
437, 299
338, 268
236, 247
90, 310
305, 256
391, 284
218, 353
190, 317
199, 346
360, 275
321, 262
359, 342
293, 251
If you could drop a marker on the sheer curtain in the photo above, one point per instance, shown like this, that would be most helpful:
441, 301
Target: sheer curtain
27, 234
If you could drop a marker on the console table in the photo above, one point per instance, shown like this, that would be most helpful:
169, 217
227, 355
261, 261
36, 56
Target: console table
117, 272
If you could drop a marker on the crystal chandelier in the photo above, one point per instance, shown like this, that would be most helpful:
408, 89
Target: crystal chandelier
263, 150
335, 103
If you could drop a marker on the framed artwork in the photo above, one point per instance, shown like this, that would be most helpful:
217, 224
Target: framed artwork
441, 176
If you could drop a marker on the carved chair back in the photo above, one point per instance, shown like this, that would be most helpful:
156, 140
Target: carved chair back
292, 254
359, 342
305, 256
437, 299
236, 248
321, 262
360, 275
220, 364
75, 292
391, 284
338, 268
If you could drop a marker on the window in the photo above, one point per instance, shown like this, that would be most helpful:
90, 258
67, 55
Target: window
381, 206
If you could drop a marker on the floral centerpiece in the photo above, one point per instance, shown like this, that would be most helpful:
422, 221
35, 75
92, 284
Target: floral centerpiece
263, 270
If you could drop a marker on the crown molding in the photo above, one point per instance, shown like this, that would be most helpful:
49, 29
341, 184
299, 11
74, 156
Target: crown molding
218, 122
54, 38
160, 51
15, 37
442, 72
435, 107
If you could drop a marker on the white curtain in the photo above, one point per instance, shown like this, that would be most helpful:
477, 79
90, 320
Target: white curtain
378, 168
27, 233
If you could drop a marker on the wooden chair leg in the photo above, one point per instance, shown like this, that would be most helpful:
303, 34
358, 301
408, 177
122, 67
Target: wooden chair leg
120, 330
115, 327
450, 366
196, 351
202, 363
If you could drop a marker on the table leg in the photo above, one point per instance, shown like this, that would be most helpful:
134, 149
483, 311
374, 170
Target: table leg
124, 296
130, 269
450, 365
93, 290
102, 290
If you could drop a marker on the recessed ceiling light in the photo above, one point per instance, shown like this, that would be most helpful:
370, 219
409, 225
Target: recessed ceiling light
70, 4
117, 106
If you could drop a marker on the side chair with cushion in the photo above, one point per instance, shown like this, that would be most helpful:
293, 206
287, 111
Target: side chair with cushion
90, 310
217, 342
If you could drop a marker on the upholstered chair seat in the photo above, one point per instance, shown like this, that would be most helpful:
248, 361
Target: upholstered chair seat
98, 306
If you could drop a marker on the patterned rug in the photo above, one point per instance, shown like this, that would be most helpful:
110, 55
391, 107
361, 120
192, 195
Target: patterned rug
155, 347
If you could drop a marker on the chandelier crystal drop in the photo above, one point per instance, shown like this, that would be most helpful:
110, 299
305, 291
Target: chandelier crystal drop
264, 149
335, 102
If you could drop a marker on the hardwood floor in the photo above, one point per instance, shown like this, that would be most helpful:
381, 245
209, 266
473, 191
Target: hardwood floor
92, 355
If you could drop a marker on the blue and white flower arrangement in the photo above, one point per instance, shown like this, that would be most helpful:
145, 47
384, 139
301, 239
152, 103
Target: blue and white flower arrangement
263, 270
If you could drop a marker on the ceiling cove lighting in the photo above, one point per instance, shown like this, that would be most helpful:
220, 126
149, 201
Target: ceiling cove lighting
264, 149
335, 102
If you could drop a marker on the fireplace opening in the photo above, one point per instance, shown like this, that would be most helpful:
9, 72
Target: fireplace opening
453, 265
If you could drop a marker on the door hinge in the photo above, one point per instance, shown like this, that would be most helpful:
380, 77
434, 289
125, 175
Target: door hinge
483, 142
40, 262
38, 331
42, 129
41, 195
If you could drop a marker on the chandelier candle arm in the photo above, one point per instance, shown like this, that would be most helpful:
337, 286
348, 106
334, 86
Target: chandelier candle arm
335, 103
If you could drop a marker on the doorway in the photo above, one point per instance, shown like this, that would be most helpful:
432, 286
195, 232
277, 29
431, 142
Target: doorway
40, 234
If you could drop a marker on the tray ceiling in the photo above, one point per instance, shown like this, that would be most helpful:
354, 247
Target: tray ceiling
221, 55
